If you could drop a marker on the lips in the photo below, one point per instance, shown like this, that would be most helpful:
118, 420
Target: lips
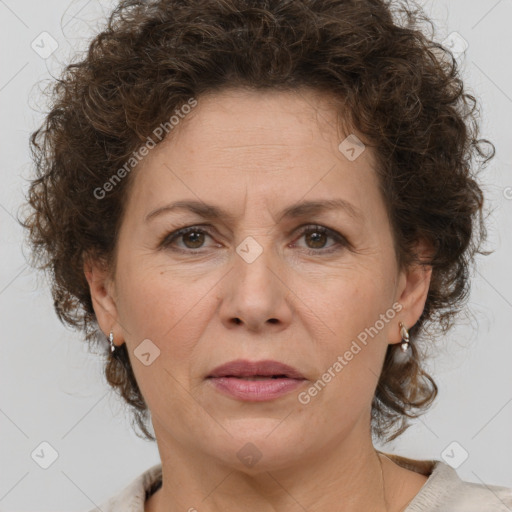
260, 381
258, 370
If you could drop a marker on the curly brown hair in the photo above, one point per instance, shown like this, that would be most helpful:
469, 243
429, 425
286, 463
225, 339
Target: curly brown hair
397, 87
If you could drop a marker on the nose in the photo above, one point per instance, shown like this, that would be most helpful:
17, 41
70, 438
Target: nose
255, 293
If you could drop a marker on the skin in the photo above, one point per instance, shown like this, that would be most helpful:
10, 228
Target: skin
254, 154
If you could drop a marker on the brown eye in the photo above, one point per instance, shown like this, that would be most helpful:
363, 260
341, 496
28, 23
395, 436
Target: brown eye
193, 239
316, 238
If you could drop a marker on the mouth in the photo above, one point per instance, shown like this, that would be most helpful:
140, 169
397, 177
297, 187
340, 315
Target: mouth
259, 370
259, 381
257, 377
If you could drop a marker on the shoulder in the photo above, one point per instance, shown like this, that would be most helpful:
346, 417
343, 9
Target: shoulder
445, 491
133, 497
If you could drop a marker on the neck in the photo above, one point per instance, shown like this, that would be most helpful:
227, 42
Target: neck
347, 476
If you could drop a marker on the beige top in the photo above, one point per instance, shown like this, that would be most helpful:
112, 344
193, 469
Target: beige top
444, 491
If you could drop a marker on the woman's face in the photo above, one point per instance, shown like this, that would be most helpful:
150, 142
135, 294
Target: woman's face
250, 284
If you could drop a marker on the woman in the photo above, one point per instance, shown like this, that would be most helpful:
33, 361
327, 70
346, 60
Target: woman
262, 206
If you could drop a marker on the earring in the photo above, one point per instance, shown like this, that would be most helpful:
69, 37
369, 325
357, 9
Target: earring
111, 340
405, 337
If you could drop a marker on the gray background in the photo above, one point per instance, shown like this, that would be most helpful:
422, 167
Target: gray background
53, 391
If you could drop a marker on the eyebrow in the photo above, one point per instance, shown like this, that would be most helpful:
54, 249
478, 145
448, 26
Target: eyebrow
303, 209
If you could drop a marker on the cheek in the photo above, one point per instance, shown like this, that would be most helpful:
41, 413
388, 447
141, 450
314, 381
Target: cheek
353, 302
357, 310
160, 306
343, 393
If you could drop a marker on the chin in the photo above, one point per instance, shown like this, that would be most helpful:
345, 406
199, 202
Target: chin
260, 446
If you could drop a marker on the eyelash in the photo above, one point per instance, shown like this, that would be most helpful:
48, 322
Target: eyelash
310, 228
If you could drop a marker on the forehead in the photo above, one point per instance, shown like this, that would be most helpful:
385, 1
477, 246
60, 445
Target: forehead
281, 145
271, 117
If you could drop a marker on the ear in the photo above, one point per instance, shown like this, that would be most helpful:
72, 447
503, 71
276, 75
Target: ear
412, 290
101, 286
